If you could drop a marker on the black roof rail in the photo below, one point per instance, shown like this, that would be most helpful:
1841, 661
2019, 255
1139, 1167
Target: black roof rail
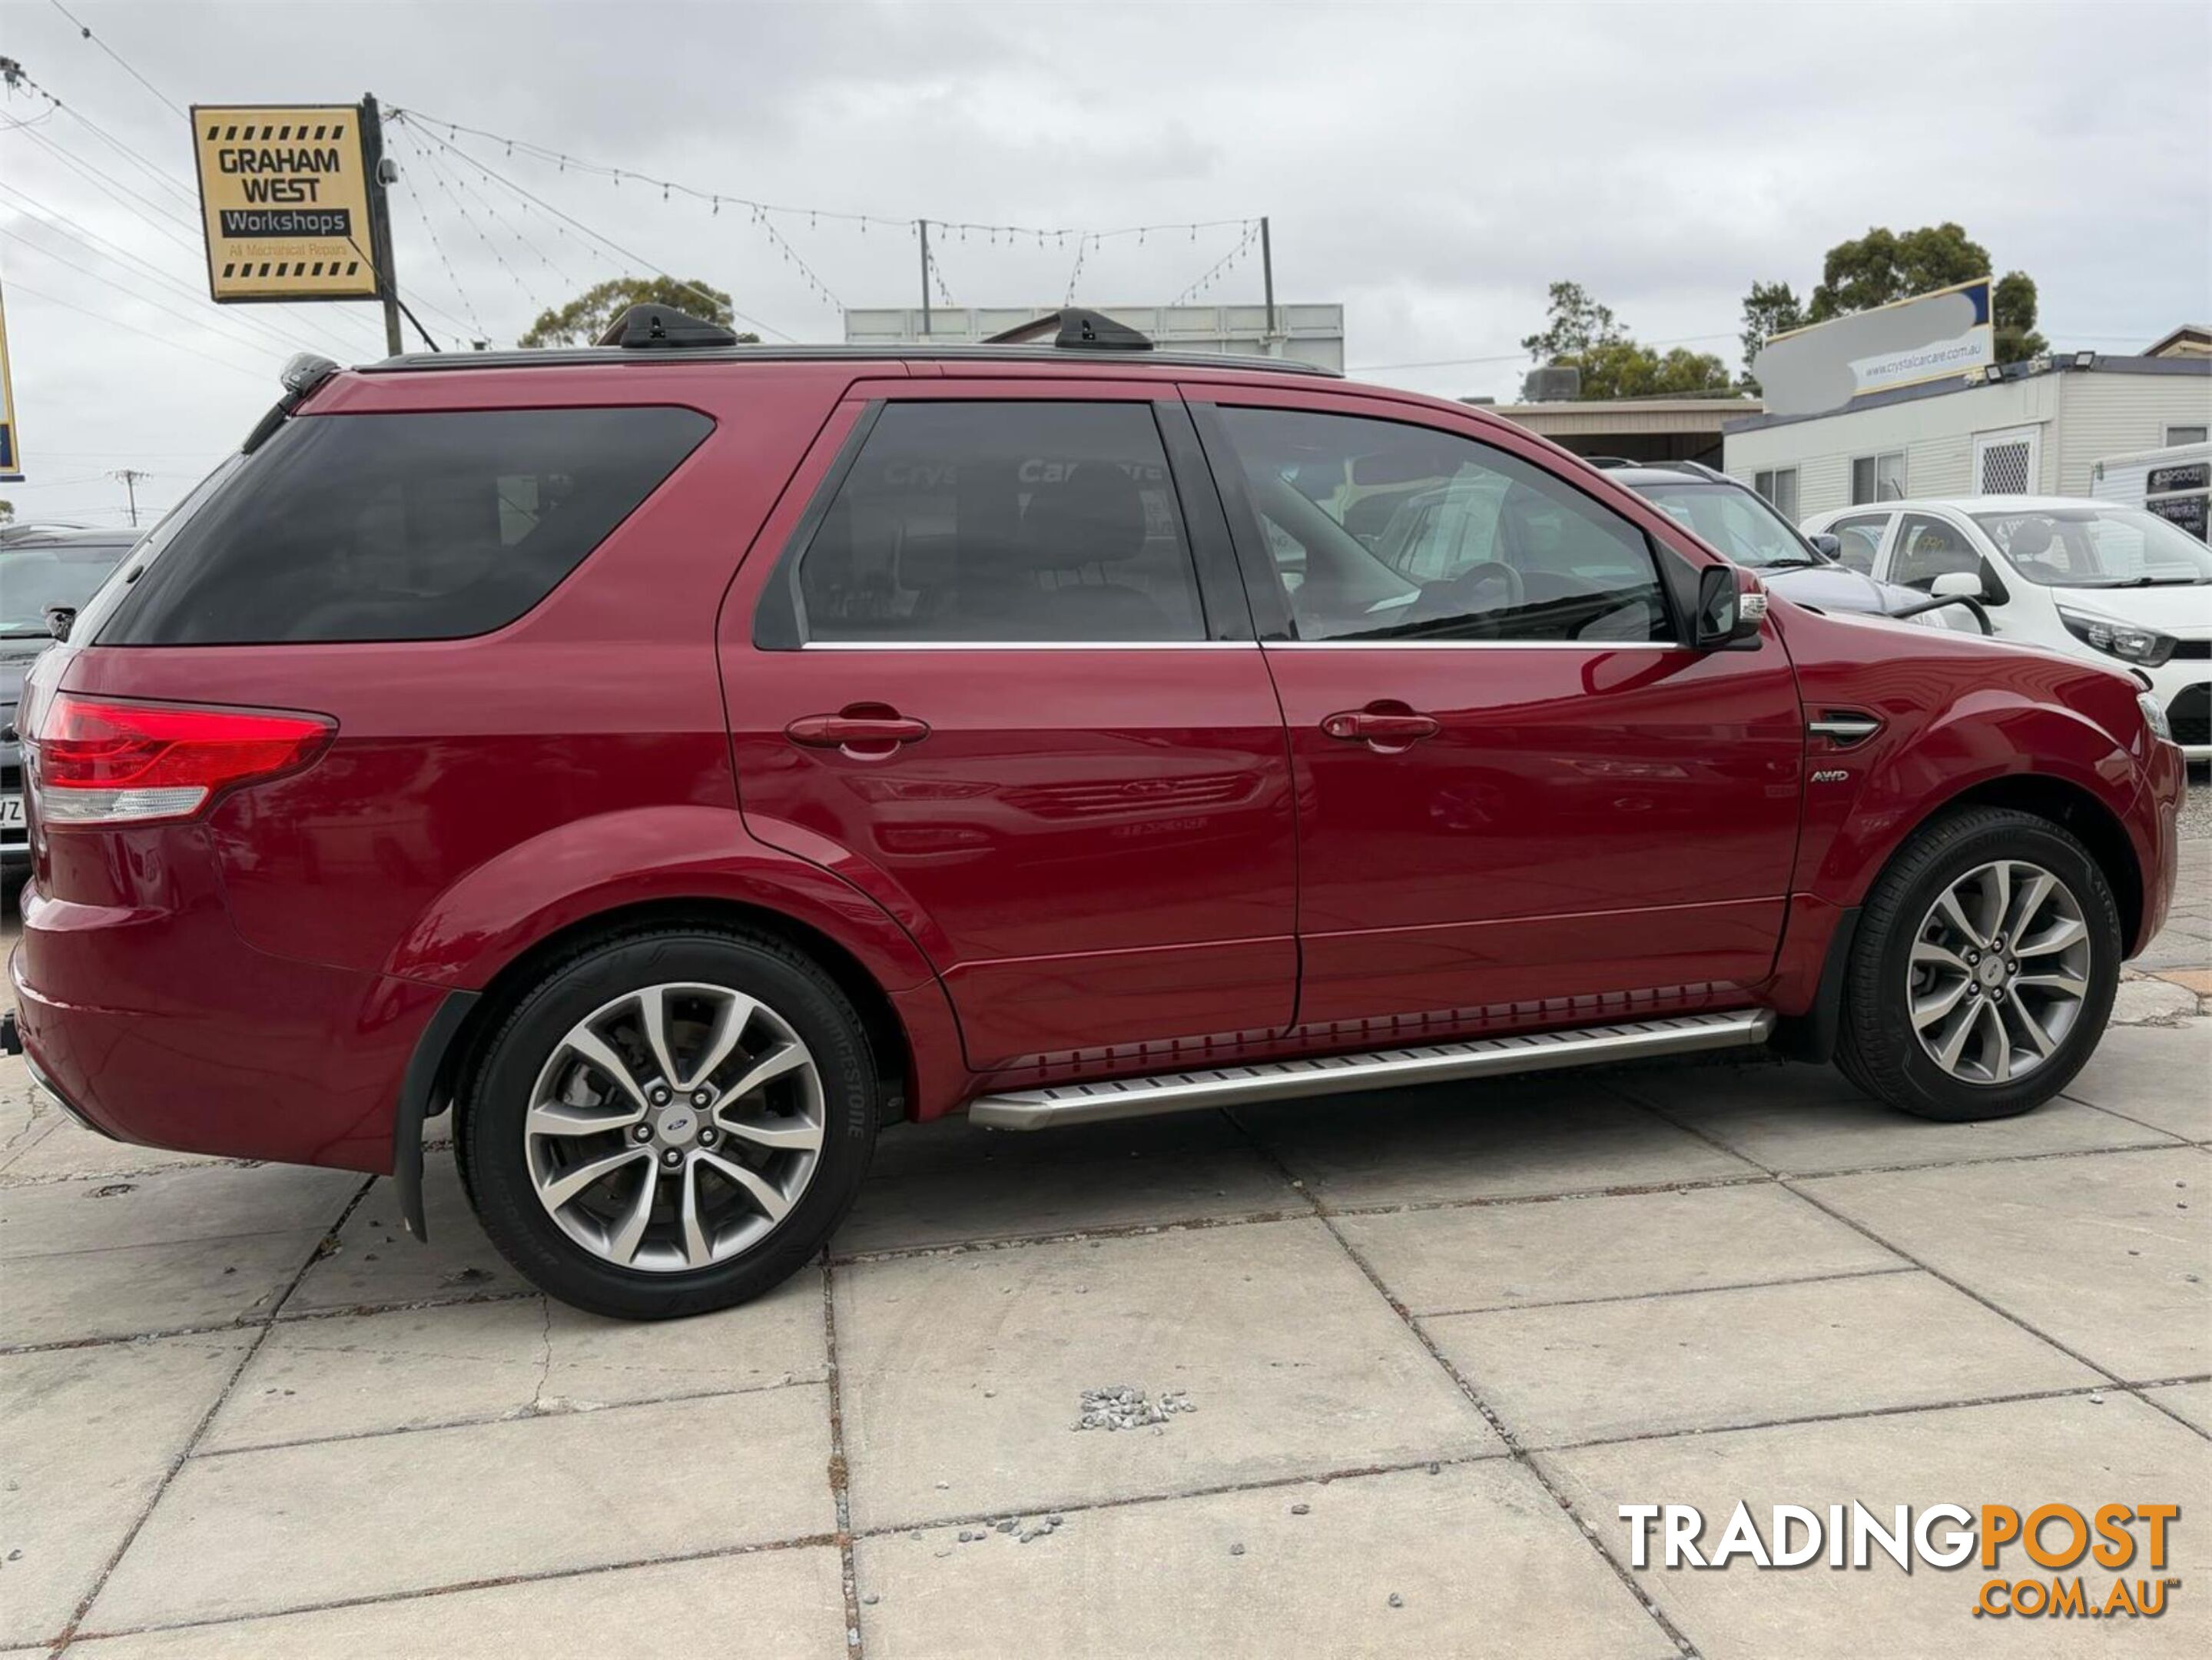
647, 327
1075, 329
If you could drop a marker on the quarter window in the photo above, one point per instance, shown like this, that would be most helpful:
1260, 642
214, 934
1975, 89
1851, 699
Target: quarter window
399, 527
982, 521
1380, 530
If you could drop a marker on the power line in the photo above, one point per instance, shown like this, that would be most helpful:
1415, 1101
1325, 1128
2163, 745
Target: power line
129, 328
108, 184
171, 311
87, 32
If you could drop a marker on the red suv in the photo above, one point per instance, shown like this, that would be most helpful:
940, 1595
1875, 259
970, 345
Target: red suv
680, 759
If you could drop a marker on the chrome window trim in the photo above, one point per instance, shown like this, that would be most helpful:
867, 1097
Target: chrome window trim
1029, 645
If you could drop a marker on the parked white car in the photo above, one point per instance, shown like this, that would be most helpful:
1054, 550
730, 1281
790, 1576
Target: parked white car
2094, 579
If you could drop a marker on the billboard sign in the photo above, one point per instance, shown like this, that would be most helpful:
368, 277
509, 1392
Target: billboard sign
1930, 337
284, 201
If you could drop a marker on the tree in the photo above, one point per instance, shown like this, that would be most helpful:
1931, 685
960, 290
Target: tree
7, 513
585, 319
1886, 265
1771, 308
1579, 333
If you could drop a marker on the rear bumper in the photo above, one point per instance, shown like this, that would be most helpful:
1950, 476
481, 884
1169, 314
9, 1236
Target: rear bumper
164, 1028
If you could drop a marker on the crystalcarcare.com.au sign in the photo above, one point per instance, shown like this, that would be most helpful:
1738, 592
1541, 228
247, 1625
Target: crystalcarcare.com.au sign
2039, 1561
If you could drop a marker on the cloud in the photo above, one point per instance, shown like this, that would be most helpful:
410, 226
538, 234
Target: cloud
1432, 168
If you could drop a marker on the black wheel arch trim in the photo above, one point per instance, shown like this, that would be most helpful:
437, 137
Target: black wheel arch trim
423, 1091
1812, 1035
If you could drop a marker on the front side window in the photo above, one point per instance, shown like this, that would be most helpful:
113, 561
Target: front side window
1928, 548
1878, 478
1380, 530
1862, 541
1002, 522
1779, 487
2098, 548
355, 528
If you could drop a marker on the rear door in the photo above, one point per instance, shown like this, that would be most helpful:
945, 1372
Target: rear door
1002, 675
1521, 799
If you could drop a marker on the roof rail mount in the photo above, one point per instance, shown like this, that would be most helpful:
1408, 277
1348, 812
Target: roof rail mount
1078, 330
662, 328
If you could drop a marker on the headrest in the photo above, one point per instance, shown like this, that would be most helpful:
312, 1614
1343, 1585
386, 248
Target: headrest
2032, 539
1095, 514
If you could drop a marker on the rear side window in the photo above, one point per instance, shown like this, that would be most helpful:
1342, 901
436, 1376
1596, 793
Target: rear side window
1016, 522
401, 526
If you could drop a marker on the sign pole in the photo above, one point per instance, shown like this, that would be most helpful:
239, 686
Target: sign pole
380, 219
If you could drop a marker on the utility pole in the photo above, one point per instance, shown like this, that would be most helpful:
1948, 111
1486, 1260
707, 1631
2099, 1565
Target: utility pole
924, 225
129, 477
1267, 275
381, 172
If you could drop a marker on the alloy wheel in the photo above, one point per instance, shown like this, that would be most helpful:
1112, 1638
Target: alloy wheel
1999, 970
674, 1127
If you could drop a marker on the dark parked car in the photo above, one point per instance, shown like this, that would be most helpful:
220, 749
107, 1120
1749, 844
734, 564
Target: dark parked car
1743, 525
39, 567
679, 759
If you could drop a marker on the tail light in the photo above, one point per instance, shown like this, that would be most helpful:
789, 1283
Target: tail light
103, 761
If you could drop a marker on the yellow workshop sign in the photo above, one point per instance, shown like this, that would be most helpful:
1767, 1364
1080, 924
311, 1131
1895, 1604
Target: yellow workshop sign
284, 196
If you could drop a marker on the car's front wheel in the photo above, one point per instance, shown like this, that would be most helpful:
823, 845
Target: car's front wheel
669, 1123
1983, 968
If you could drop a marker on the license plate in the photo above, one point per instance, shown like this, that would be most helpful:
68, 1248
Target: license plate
11, 812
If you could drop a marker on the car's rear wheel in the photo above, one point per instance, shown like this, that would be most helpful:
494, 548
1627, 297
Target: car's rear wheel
1983, 968
669, 1123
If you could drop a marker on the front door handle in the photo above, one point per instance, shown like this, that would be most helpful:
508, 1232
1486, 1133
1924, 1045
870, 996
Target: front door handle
863, 733
1387, 731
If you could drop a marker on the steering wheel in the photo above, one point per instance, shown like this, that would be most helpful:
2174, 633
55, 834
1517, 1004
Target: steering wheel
1464, 586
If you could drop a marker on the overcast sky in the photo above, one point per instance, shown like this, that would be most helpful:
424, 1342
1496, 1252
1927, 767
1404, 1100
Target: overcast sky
1431, 168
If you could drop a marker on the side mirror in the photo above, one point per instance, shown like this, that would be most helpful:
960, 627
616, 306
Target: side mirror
1827, 546
1956, 585
58, 618
1728, 611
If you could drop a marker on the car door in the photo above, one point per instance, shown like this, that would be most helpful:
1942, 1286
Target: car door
1521, 799
1002, 675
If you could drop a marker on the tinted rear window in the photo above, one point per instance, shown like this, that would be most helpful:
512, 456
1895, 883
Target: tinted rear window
401, 526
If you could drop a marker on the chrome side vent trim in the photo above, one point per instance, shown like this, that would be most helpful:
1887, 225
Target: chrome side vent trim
1843, 727
1272, 1081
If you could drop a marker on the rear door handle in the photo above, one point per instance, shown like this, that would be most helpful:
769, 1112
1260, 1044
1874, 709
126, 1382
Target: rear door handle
1385, 731
869, 737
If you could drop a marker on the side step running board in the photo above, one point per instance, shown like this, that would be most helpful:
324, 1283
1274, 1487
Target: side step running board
1271, 1081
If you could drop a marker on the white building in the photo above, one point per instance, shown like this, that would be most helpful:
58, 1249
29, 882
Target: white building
1305, 334
2029, 429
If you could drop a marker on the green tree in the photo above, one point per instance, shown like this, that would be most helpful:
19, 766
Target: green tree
1771, 308
585, 319
1574, 323
1580, 333
1886, 265
7, 513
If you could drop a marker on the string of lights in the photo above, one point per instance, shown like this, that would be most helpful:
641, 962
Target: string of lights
438, 177
1040, 235
1221, 266
431, 159
475, 328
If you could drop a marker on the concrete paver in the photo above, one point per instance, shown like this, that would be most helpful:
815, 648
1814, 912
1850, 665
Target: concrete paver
359, 1374
1800, 1120
961, 1375
1456, 1259
2156, 1075
378, 1265
776, 1602
1513, 1138
935, 1184
2192, 1402
1708, 1360
2109, 1255
407, 1512
90, 1433
1494, 1567
2024, 1453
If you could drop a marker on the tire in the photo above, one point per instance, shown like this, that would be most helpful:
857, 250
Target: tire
1887, 1053
539, 1115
